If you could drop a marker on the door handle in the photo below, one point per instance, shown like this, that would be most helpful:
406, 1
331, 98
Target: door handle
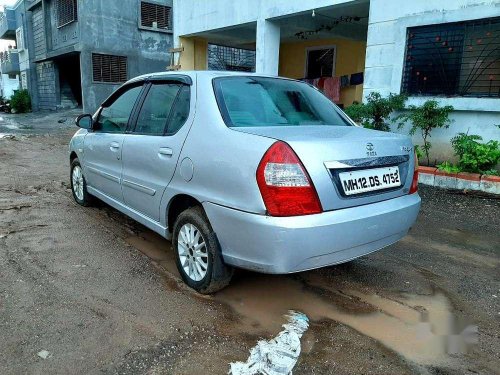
165, 151
114, 146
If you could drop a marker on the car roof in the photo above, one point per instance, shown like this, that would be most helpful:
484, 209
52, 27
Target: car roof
178, 75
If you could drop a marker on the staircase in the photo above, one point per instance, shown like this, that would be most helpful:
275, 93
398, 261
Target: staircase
67, 99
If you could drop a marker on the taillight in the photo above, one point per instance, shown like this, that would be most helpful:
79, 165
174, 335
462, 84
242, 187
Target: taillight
284, 183
414, 182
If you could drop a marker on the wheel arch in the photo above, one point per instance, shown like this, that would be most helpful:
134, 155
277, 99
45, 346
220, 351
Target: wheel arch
72, 156
178, 204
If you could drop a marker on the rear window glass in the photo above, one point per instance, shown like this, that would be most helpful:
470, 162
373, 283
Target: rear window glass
259, 101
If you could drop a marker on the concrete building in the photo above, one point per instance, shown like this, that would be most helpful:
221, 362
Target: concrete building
449, 51
9, 72
76, 52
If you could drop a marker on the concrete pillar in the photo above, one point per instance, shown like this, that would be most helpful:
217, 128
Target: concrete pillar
268, 47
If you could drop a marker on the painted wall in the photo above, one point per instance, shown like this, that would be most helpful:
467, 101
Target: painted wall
195, 16
388, 22
194, 56
350, 58
103, 26
192, 16
112, 27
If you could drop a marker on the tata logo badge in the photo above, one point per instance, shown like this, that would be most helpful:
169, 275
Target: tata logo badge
370, 149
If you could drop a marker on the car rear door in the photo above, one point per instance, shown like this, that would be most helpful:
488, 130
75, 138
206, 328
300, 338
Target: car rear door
103, 146
152, 147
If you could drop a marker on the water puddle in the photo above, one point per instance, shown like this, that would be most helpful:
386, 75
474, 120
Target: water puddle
157, 248
417, 327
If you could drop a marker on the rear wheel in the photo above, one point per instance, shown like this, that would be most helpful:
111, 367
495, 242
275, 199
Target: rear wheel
79, 185
198, 254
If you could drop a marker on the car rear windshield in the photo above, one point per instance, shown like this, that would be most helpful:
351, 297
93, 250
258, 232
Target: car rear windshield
247, 101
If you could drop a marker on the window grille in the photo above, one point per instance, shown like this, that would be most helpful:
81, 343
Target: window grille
156, 16
456, 59
66, 12
108, 68
230, 58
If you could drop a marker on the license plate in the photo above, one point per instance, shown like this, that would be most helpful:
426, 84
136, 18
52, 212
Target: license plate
357, 182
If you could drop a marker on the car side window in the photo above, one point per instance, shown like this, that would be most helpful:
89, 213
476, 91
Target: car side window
156, 109
114, 117
180, 112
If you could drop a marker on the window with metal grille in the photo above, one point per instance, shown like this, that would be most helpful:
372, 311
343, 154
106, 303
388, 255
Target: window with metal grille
156, 16
456, 59
66, 12
230, 58
108, 68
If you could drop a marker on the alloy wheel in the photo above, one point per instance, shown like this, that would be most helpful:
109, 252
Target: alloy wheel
193, 254
77, 179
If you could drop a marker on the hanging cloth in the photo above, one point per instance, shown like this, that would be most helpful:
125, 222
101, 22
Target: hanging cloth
331, 88
356, 79
344, 81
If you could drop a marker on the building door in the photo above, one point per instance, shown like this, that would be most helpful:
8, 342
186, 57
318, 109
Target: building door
320, 62
70, 84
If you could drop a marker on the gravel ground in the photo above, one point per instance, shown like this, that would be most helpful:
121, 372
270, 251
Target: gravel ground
100, 292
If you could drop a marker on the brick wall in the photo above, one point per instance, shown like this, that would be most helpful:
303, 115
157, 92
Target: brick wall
47, 91
40, 42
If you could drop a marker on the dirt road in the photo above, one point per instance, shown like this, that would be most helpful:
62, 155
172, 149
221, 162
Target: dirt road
100, 292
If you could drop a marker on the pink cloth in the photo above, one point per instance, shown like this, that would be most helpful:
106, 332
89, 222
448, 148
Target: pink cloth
331, 88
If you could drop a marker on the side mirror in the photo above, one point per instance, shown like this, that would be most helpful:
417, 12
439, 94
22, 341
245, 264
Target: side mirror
84, 121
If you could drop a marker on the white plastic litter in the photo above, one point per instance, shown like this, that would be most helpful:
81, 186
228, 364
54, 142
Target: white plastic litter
279, 355
43, 354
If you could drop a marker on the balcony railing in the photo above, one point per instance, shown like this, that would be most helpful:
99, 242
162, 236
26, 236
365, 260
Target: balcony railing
9, 61
8, 24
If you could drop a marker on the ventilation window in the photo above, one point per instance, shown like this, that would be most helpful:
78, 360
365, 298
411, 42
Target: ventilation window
155, 16
453, 59
109, 69
66, 12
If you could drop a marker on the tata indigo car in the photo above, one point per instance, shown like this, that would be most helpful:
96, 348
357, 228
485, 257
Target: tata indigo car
247, 171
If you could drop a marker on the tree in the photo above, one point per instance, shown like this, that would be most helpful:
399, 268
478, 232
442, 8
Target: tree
425, 118
374, 113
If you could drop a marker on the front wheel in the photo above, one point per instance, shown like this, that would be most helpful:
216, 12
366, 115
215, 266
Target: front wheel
79, 185
197, 252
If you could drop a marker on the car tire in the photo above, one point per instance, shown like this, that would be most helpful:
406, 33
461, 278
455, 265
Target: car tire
79, 185
198, 254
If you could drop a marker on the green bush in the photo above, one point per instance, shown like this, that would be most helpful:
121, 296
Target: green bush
425, 118
419, 152
374, 113
20, 102
476, 157
448, 167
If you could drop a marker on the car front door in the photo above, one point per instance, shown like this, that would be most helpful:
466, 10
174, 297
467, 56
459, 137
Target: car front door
103, 146
152, 148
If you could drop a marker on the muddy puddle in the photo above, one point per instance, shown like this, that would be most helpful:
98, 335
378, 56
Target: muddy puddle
415, 326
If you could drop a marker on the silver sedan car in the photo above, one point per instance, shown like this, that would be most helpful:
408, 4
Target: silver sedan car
247, 171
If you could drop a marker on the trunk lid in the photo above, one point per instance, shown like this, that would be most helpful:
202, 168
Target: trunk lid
327, 151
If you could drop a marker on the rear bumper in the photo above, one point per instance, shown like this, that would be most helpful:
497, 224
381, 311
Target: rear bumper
292, 244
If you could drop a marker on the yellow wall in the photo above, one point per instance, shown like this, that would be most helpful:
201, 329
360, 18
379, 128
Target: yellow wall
194, 56
350, 59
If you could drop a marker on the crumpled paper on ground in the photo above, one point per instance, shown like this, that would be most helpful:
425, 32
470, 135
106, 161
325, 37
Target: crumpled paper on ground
279, 355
